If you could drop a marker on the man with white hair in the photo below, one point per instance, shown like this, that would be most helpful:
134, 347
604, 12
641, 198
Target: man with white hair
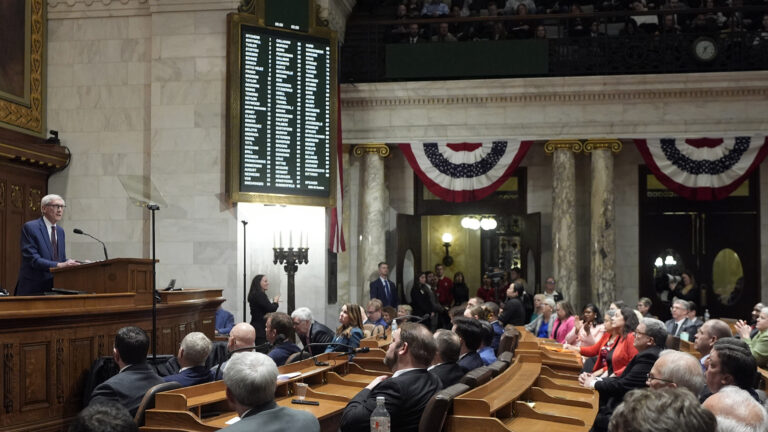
679, 320
310, 331
192, 355
665, 410
251, 380
737, 411
676, 369
42, 247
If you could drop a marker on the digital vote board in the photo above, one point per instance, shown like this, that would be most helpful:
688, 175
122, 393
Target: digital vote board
285, 90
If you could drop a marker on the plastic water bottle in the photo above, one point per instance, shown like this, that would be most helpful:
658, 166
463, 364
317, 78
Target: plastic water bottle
394, 325
380, 417
706, 315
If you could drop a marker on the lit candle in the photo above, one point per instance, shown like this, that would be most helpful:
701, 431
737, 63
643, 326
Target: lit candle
281, 239
290, 239
301, 239
274, 239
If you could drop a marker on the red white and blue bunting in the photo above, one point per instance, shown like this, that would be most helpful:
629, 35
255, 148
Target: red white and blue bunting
703, 168
460, 172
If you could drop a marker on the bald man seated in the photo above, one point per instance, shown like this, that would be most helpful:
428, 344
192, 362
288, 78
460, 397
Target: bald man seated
243, 335
706, 336
676, 369
737, 410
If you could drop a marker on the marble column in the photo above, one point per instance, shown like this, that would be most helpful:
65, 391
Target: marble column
373, 228
602, 233
564, 216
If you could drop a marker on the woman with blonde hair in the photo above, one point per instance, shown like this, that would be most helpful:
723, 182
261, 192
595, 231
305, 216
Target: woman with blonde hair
350, 331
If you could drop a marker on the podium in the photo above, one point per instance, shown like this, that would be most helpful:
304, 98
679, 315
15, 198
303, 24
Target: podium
110, 276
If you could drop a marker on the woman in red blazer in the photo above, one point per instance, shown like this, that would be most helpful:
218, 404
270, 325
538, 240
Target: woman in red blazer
616, 348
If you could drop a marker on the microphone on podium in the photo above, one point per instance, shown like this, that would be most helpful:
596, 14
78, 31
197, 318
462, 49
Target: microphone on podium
79, 231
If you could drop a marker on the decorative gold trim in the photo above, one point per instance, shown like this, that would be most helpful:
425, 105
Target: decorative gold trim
44, 155
34, 196
382, 149
17, 198
613, 145
28, 116
565, 144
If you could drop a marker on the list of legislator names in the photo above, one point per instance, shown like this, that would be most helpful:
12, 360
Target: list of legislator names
286, 113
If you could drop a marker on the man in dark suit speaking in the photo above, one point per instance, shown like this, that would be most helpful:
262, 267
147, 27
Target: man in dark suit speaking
42, 247
383, 289
409, 389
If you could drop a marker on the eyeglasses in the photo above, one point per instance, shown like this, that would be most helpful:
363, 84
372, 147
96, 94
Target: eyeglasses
370, 312
650, 377
640, 333
56, 206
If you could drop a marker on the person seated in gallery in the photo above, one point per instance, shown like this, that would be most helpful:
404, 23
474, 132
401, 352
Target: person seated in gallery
736, 410
409, 389
280, 335
224, 321
492, 315
136, 376
514, 311
104, 416
374, 314
758, 342
665, 410
470, 334
444, 364
251, 380
310, 331
730, 363
192, 355
486, 351
242, 336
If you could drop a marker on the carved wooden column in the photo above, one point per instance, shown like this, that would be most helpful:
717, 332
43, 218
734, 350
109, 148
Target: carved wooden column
563, 215
375, 200
602, 233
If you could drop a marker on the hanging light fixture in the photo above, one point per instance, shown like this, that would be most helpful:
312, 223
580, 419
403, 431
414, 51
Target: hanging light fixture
488, 223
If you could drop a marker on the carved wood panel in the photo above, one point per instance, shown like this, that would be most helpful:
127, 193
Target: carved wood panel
35, 373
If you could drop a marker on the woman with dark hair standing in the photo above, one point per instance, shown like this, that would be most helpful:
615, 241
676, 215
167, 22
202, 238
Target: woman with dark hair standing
460, 289
350, 331
686, 289
260, 306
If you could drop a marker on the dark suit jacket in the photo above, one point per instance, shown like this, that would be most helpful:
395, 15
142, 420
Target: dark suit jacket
405, 396
128, 387
272, 418
282, 351
378, 292
612, 390
318, 333
449, 373
670, 324
192, 376
260, 306
37, 258
471, 361
513, 313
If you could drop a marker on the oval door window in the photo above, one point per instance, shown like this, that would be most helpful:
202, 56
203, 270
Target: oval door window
727, 277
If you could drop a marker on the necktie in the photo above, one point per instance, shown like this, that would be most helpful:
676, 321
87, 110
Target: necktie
386, 288
677, 329
54, 244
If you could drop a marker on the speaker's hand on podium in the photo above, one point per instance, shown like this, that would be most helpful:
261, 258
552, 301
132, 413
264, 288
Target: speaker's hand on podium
67, 263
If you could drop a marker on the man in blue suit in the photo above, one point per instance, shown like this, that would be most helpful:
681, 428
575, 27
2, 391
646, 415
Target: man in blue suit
192, 355
383, 289
42, 247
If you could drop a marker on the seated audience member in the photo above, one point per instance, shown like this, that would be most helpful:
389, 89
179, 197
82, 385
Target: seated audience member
443, 35
538, 301
511, 6
404, 310
587, 330
414, 35
595, 356
541, 33
192, 355
666, 410
106, 416
676, 369
350, 330
434, 9
485, 292
650, 338
514, 310
444, 364
492, 315
623, 322
709, 333
388, 313
310, 331
756, 309
224, 321
550, 290
251, 380
544, 325
564, 321
135, 377
243, 335
758, 343
679, 323
374, 314
475, 312
475, 301
486, 351
407, 391
694, 322
736, 411
471, 335
730, 363
644, 306
280, 334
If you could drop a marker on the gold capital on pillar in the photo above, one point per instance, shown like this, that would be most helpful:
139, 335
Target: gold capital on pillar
613, 145
573, 145
360, 149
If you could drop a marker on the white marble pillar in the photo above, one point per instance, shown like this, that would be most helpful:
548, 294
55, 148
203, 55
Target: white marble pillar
602, 233
373, 226
564, 216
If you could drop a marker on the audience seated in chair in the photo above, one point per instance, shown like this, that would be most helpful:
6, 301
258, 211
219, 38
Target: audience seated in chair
706, 336
243, 335
665, 410
730, 363
471, 334
677, 370
105, 416
444, 362
193, 352
486, 351
280, 334
136, 377
736, 410
310, 331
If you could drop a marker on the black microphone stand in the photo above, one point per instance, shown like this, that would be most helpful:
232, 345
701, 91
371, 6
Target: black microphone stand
245, 284
153, 208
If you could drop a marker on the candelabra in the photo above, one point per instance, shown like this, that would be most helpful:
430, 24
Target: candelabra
291, 258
